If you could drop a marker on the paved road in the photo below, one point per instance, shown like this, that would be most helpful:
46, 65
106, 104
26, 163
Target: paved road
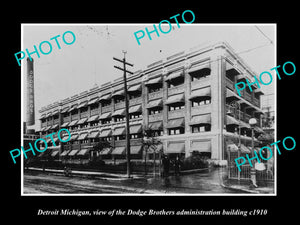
45, 183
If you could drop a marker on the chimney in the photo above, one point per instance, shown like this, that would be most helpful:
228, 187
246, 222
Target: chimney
30, 120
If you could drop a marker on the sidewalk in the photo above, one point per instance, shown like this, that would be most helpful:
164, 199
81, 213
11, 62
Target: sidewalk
245, 186
93, 174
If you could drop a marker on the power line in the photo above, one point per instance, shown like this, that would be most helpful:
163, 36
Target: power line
263, 34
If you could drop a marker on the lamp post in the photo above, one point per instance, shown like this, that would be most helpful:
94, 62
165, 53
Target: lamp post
252, 123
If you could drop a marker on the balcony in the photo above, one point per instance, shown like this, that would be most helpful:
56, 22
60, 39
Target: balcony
120, 143
75, 146
247, 117
155, 117
137, 141
256, 102
135, 101
66, 119
85, 145
202, 109
155, 95
119, 105
75, 117
196, 84
106, 109
56, 121
176, 90
94, 112
84, 114
179, 113
248, 96
66, 147
229, 84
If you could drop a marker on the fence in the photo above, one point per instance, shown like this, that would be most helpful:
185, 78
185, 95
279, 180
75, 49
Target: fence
266, 175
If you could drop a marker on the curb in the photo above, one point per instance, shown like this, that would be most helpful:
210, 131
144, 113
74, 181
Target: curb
101, 175
240, 189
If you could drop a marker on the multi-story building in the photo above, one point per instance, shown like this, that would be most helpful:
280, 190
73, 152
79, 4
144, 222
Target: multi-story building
186, 98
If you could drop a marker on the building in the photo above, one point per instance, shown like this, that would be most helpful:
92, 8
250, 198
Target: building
186, 98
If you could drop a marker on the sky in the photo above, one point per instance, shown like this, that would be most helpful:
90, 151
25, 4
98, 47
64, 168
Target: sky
89, 60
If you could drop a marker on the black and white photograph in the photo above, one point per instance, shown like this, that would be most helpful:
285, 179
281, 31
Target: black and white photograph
165, 109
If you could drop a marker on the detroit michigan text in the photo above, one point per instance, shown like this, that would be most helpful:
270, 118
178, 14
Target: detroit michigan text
152, 212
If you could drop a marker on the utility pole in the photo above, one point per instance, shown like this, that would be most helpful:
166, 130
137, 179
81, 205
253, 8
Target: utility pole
126, 110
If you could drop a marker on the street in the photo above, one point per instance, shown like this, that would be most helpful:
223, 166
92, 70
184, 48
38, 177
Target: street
36, 182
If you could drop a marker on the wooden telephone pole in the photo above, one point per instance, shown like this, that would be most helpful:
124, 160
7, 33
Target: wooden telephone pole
126, 110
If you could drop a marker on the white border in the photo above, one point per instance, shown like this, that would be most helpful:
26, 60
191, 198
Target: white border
132, 24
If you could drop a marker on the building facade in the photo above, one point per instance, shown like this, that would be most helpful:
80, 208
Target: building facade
186, 98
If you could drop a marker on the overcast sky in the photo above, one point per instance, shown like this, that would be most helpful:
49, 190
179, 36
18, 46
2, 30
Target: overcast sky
88, 61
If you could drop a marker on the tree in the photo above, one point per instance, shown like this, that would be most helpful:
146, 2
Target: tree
150, 141
102, 144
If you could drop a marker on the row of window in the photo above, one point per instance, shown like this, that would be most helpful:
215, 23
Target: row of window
153, 111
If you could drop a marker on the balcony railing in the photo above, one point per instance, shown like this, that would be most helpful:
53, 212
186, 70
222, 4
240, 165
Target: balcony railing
67, 147
75, 146
66, 119
155, 95
120, 105
155, 117
202, 109
94, 112
106, 109
229, 84
256, 102
75, 117
135, 101
120, 143
176, 90
200, 83
84, 114
248, 96
247, 117
176, 114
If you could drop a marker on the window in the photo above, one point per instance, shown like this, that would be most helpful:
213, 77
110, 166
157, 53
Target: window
119, 100
135, 95
176, 131
94, 106
105, 103
95, 123
74, 112
84, 125
201, 102
200, 74
118, 119
107, 138
158, 133
201, 128
135, 116
172, 108
93, 140
154, 111
84, 141
120, 137
155, 88
135, 136
83, 110
176, 82
105, 121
